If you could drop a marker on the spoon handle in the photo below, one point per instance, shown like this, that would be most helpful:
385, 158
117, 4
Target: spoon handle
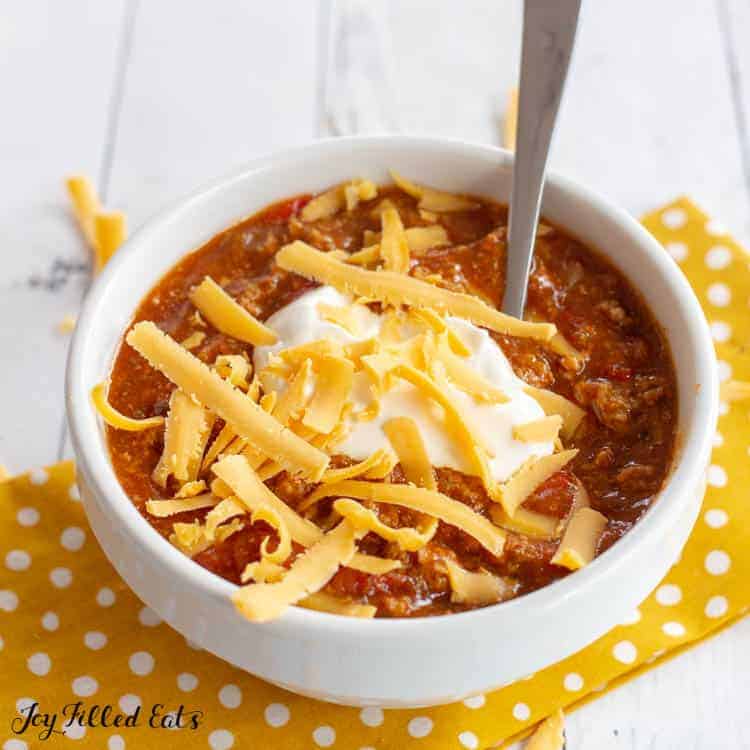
549, 28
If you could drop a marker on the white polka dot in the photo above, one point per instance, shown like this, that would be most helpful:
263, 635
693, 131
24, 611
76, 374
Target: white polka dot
18, 560
717, 562
673, 629
371, 716
573, 682
38, 476
276, 715
129, 703
468, 740
475, 701
73, 538
625, 652
718, 439
716, 476
74, 731
187, 682
221, 739
50, 621
716, 518
230, 696
719, 294
61, 577
678, 250
521, 712
716, 606
632, 618
39, 664
718, 257
105, 597
28, 516
141, 663
115, 742
8, 600
724, 369
721, 331
324, 736
723, 408
716, 228
74, 494
15, 744
420, 726
674, 218
669, 595
85, 686
95, 640
148, 618
24, 704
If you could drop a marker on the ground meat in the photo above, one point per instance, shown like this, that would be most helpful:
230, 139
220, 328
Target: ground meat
624, 381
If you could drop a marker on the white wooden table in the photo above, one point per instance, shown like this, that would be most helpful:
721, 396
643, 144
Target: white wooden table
153, 98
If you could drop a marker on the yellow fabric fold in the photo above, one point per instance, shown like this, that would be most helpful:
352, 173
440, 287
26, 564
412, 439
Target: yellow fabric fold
70, 629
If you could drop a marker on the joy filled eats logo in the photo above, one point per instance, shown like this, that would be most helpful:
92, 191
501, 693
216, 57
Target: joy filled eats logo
33, 719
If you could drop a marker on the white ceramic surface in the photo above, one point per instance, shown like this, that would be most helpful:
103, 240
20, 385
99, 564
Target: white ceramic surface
384, 662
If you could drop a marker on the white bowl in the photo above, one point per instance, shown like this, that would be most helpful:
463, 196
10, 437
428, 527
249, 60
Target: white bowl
408, 662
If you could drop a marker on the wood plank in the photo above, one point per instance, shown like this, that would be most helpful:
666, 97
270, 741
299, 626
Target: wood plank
226, 82
734, 25
648, 113
54, 122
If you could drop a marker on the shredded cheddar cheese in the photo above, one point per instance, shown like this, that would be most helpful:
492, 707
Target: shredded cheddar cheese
196, 338
332, 388
398, 289
85, 205
165, 508
543, 430
526, 522
323, 602
394, 248
110, 231
229, 317
261, 602
362, 518
535, 471
187, 430
553, 403
550, 734
510, 121
431, 199
373, 461
247, 418
404, 436
116, 419
430, 502
477, 589
578, 545
234, 368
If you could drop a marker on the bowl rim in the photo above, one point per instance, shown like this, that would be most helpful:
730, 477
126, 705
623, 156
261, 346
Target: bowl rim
95, 465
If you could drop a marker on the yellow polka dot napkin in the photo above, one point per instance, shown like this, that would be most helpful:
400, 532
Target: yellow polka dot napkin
104, 671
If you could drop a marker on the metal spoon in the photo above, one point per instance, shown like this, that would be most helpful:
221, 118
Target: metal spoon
549, 29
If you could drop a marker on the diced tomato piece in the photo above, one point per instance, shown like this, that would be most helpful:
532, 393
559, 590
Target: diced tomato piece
284, 210
555, 496
619, 372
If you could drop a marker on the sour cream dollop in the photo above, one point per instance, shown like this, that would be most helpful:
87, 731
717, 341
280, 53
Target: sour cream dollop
300, 322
